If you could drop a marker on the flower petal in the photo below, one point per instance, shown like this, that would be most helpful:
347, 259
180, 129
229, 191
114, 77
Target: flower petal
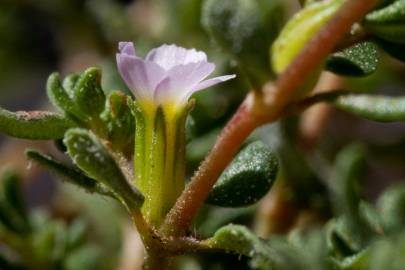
126, 47
208, 83
141, 76
180, 79
169, 56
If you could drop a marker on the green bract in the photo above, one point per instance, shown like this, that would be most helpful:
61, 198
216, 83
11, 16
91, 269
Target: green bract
247, 179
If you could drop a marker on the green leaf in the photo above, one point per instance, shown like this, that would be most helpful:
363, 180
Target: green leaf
87, 257
90, 155
34, 125
14, 197
120, 121
299, 30
245, 29
388, 23
373, 107
359, 60
391, 206
76, 234
88, 94
247, 179
358, 261
395, 50
69, 173
61, 99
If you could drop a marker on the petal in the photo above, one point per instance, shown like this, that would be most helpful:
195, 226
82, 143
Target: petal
180, 80
126, 48
169, 56
208, 83
141, 76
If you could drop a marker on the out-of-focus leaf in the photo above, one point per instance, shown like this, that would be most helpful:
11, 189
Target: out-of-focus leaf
388, 253
388, 23
245, 29
247, 179
393, 49
87, 257
14, 197
359, 60
34, 125
358, 261
391, 205
299, 30
90, 155
76, 233
373, 107
69, 174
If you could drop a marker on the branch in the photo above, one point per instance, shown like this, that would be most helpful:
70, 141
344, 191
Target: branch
250, 116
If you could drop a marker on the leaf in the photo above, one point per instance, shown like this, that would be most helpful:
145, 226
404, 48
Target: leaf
388, 23
34, 125
88, 94
61, 99
89, 154
247, 179
391, 206
119, 120
69, 174
373, 107
299, 30
359, 60
14, 197
245, 29
395, 50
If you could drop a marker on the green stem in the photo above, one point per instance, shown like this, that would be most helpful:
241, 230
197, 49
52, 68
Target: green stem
159, 159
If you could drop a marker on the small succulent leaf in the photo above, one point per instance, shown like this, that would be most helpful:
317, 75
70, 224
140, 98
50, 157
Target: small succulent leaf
90, 155
299, 30
371, 217
61, 99
388, 22
393, 49
70, 174
373, 107
88, 94
357, 261
86, 257
245, 29
391, 206
14, 197
359, 60
247, 179
34, 125
119, 120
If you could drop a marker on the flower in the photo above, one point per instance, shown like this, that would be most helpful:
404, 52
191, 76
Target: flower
168, 75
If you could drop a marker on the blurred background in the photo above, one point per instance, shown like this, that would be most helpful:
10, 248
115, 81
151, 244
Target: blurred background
38, 37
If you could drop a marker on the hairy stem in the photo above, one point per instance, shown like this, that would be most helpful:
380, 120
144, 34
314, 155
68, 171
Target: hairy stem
245, 120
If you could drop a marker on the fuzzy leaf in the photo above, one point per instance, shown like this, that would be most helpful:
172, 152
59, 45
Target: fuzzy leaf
61, 99
119, 120
69, 174
388, 23
90, 155
247, 179
359, 60
373, 107
34, 125
245, 29
88, 94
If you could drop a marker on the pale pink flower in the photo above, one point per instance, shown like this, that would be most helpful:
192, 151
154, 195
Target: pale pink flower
168, 75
